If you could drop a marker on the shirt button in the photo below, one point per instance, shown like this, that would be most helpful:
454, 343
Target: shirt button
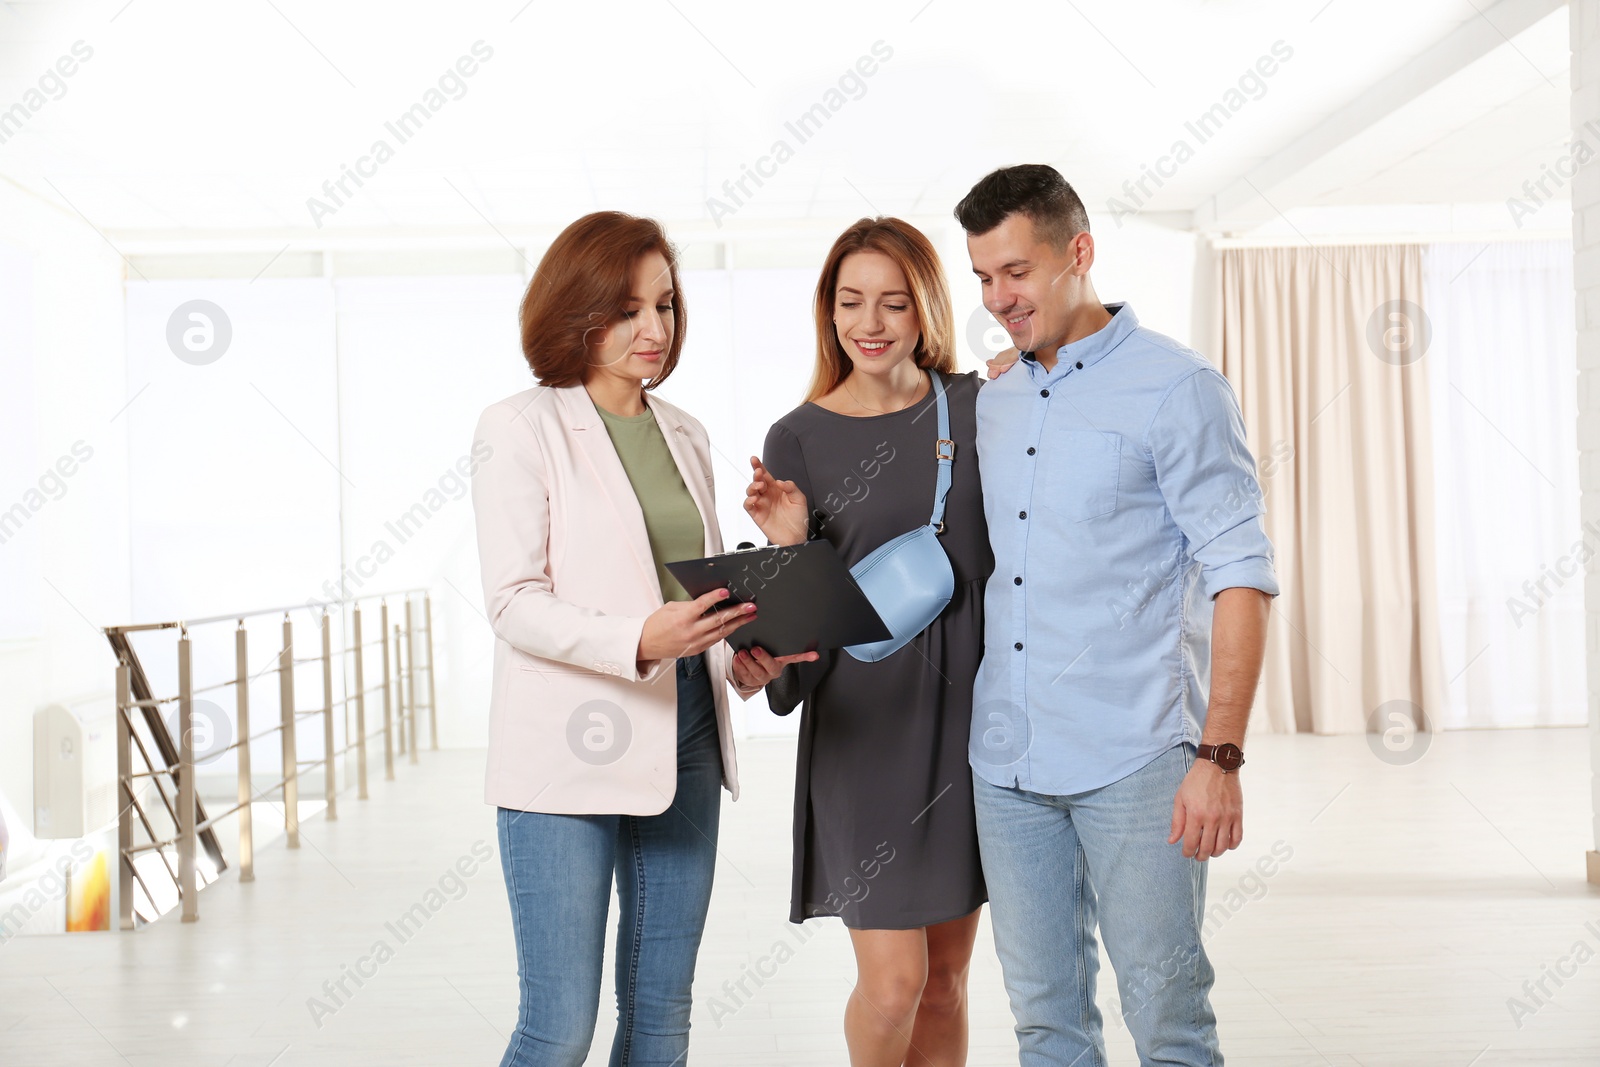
1022, 514
1079, 366
1030, 451
1018, 581
1044, 392
1019, 646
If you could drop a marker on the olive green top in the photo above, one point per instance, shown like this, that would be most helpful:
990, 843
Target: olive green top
670, 516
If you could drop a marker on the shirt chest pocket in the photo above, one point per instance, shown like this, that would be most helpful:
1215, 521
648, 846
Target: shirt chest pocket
1082, 474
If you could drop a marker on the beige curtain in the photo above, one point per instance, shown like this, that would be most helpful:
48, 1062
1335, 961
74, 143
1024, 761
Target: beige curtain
1326, 348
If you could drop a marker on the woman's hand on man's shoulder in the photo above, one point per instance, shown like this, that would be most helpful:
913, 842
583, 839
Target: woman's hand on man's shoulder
1003, 362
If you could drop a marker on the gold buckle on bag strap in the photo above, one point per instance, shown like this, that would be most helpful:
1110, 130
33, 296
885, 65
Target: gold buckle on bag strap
939, 453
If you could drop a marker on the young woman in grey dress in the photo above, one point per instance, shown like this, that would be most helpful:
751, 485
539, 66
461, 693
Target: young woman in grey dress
884, 834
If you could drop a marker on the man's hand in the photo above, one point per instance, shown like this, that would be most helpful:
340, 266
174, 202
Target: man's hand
1208, 814
754, 668
1003, 362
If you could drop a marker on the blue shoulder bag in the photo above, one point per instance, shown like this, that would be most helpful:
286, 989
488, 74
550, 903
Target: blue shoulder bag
908, 580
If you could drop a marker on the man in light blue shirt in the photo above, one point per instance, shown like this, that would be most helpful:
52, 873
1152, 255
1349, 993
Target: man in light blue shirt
1124, 628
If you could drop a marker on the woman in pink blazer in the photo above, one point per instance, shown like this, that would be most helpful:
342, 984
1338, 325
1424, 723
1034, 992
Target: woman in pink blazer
608, 723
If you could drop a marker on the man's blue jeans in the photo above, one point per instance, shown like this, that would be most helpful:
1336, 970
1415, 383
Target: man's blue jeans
1057, 864
558, 871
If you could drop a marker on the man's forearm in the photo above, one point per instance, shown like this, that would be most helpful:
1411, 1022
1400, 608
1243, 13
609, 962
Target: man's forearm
1238, 645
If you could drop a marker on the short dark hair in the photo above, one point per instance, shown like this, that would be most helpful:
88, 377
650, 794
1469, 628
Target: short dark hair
1036, 190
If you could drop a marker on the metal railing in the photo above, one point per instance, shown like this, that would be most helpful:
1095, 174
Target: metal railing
170, 762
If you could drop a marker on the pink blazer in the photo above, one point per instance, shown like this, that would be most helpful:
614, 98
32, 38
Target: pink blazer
568, 579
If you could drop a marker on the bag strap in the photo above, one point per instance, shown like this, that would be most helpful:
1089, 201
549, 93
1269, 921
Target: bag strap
944, 449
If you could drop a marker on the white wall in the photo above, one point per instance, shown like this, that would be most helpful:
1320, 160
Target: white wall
65, 570
1585, 74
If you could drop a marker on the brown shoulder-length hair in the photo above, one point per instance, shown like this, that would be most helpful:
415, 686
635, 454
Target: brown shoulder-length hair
582, 284
913, 253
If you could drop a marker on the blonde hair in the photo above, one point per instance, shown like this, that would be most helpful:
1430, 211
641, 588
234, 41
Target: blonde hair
913, 253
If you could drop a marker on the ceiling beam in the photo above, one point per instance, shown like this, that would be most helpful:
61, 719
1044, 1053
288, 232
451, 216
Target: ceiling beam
1245, 201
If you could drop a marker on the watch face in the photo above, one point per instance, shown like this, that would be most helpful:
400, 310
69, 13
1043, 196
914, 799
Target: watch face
1229, 757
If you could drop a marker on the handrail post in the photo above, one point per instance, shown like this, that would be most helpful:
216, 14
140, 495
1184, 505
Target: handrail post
361, 707
388, 695
399, 694
433, 702
411, 679
241, 666
330, 783
291, 767
188, 890
124, 800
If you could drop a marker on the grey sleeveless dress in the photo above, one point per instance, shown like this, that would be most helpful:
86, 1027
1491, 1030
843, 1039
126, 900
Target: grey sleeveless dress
884, 834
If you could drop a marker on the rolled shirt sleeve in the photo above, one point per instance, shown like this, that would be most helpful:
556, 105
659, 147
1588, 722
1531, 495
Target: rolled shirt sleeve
1207, 476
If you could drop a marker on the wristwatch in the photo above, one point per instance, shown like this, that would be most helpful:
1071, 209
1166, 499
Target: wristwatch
1228, 757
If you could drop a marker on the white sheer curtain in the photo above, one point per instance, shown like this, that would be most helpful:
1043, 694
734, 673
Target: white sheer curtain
1510, 542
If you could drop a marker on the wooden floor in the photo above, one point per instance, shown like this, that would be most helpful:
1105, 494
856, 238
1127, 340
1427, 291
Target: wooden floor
1414, 904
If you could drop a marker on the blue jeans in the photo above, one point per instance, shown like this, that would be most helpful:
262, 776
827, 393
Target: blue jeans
558, 871
1057, 864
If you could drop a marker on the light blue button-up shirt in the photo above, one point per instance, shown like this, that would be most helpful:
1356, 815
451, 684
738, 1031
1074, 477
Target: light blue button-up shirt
1121, 498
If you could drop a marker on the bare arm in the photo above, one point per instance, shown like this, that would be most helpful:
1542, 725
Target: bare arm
1238, 645
1208, 812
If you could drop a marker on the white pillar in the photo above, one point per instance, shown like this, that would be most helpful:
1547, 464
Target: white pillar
1585, 78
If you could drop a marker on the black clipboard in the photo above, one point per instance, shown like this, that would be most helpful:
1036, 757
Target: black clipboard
808, 600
